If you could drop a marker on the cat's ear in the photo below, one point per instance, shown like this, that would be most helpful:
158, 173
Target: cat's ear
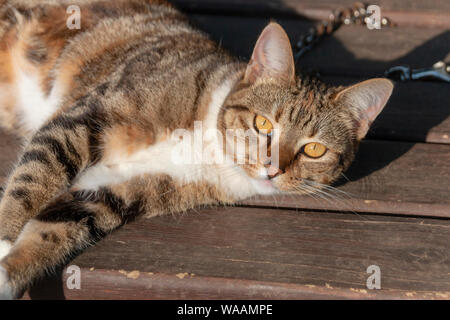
272, 57
366, 100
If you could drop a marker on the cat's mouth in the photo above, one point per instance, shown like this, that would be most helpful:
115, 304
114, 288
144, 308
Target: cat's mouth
263, 184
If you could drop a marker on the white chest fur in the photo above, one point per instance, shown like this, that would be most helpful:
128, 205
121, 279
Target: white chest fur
165, 158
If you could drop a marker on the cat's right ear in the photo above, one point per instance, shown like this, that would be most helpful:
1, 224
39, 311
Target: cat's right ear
272, 57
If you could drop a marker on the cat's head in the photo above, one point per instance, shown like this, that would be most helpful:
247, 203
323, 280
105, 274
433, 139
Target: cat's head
312, 130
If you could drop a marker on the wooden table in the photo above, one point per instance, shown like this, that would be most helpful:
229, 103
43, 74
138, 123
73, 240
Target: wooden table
395, 213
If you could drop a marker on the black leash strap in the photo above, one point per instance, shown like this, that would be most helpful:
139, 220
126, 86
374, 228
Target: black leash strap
361, 14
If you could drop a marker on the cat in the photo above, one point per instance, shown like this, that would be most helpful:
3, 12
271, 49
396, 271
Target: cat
97, 108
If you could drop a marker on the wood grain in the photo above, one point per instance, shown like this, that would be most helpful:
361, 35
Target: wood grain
277, 6
402, 13
119, 285
264, 253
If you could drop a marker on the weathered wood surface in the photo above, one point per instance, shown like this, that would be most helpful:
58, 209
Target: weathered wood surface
275, 7
264, 253
402, 13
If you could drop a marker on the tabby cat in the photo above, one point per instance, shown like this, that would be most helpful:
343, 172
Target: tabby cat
97, 108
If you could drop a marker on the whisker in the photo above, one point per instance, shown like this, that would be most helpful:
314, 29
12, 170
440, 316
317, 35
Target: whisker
332, 198
345, 177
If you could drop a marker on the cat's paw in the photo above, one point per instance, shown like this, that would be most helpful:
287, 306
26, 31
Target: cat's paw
5, 289
5, 247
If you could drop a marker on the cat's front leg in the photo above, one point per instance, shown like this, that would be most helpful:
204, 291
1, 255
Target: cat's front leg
50, 162
77, 219
67, 226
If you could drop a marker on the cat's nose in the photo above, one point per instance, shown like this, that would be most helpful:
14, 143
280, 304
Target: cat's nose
273, 171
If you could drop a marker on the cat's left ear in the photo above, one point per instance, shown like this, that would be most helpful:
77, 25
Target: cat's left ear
366, 100
272, 57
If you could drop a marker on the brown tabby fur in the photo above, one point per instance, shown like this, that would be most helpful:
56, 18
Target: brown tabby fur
135, 72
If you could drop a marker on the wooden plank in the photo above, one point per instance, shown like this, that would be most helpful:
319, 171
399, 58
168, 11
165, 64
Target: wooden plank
286, 6
402, 13
122, 285
386, 177
264, 253
418, 111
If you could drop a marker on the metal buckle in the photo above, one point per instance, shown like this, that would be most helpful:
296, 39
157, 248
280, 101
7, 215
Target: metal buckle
440, 71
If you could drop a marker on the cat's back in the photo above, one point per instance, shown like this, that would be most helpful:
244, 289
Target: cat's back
91, 37
66, 49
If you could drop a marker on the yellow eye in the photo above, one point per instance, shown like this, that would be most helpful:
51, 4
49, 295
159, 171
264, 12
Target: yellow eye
314, 150
263, 124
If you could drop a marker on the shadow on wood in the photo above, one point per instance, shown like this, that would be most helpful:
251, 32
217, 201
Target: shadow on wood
50, 287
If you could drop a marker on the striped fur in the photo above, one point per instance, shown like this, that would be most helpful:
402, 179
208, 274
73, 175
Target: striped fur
96, 108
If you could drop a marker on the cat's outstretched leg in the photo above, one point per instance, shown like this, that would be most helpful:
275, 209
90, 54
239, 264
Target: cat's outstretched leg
68, 225
53, 158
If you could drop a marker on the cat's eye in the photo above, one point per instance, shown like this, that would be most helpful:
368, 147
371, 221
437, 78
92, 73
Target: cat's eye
263, 125
314, 150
